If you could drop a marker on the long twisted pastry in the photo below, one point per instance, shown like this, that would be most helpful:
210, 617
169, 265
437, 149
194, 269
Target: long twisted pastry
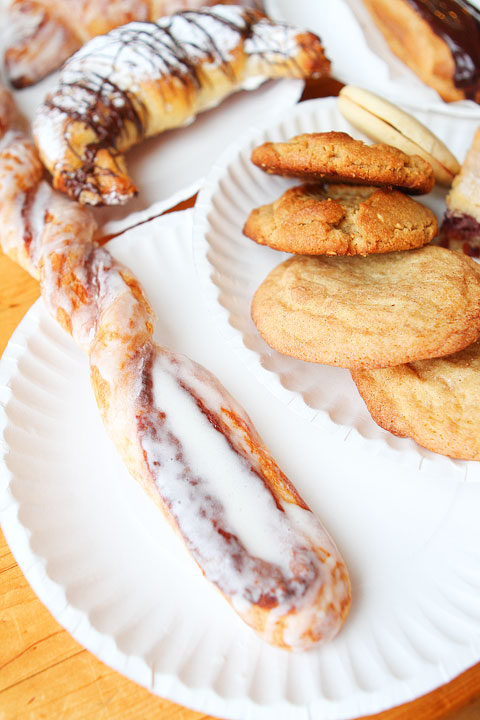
182, 436
44, 33
144, 78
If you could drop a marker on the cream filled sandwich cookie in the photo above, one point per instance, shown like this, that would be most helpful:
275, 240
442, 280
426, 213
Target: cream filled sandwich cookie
384, 122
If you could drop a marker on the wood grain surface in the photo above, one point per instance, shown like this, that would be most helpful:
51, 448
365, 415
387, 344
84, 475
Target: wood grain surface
45, 673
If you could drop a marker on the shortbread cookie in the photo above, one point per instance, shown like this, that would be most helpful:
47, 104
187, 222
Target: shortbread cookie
337, 157
372, 311
435, 402
384, 122
341, 220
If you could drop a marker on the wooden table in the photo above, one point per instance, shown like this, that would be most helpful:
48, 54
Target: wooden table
44, 673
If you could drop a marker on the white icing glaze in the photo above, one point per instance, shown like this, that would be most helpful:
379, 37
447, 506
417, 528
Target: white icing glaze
249, 509
178, 430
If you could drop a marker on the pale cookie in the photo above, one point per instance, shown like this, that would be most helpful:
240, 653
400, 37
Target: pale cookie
337, 157
341, 220
372, 311
384, 122
435, 402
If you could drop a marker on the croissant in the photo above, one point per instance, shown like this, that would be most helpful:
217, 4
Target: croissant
142, 79
240, 517
46, 32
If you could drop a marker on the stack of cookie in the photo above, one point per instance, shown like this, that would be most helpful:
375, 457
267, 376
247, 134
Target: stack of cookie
365, 289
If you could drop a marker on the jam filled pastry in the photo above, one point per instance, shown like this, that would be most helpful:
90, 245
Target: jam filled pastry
187, 442
44, 33
144, 78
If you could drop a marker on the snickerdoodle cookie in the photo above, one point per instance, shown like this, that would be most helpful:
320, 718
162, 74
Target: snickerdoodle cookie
435, 402
340, 158
341, 220
372, 311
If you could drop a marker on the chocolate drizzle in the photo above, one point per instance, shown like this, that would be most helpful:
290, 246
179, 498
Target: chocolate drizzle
100, 87
457, 22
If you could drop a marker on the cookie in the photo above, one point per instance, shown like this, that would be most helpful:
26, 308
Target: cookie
384, 122
373, 311
337, 157
435, 402
341, 220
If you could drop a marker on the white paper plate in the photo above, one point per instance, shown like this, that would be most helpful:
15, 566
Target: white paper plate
231, 267
170, 167
99, 555
359, 53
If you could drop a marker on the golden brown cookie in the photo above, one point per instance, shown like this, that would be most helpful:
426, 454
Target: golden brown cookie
337, 157
341, 220
435, 402
373, 311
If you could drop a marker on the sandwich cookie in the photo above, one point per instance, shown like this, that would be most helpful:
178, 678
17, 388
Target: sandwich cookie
384, 122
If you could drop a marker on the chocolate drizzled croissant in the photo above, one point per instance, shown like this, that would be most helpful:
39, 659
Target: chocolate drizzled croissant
45, 33
144, 78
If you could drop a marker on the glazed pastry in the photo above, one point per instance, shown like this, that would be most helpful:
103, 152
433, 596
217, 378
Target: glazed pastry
44, 33
460, 229
169, 417
438, 39
142, 79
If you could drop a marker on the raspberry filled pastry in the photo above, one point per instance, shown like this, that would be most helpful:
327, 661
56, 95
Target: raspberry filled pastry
241, 519
144, 78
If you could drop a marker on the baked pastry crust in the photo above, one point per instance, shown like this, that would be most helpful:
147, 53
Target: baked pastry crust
142, 79
435, 402
337, 157
168, 415
428, 37
48, 32
460, 229
373, 311
313, 219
